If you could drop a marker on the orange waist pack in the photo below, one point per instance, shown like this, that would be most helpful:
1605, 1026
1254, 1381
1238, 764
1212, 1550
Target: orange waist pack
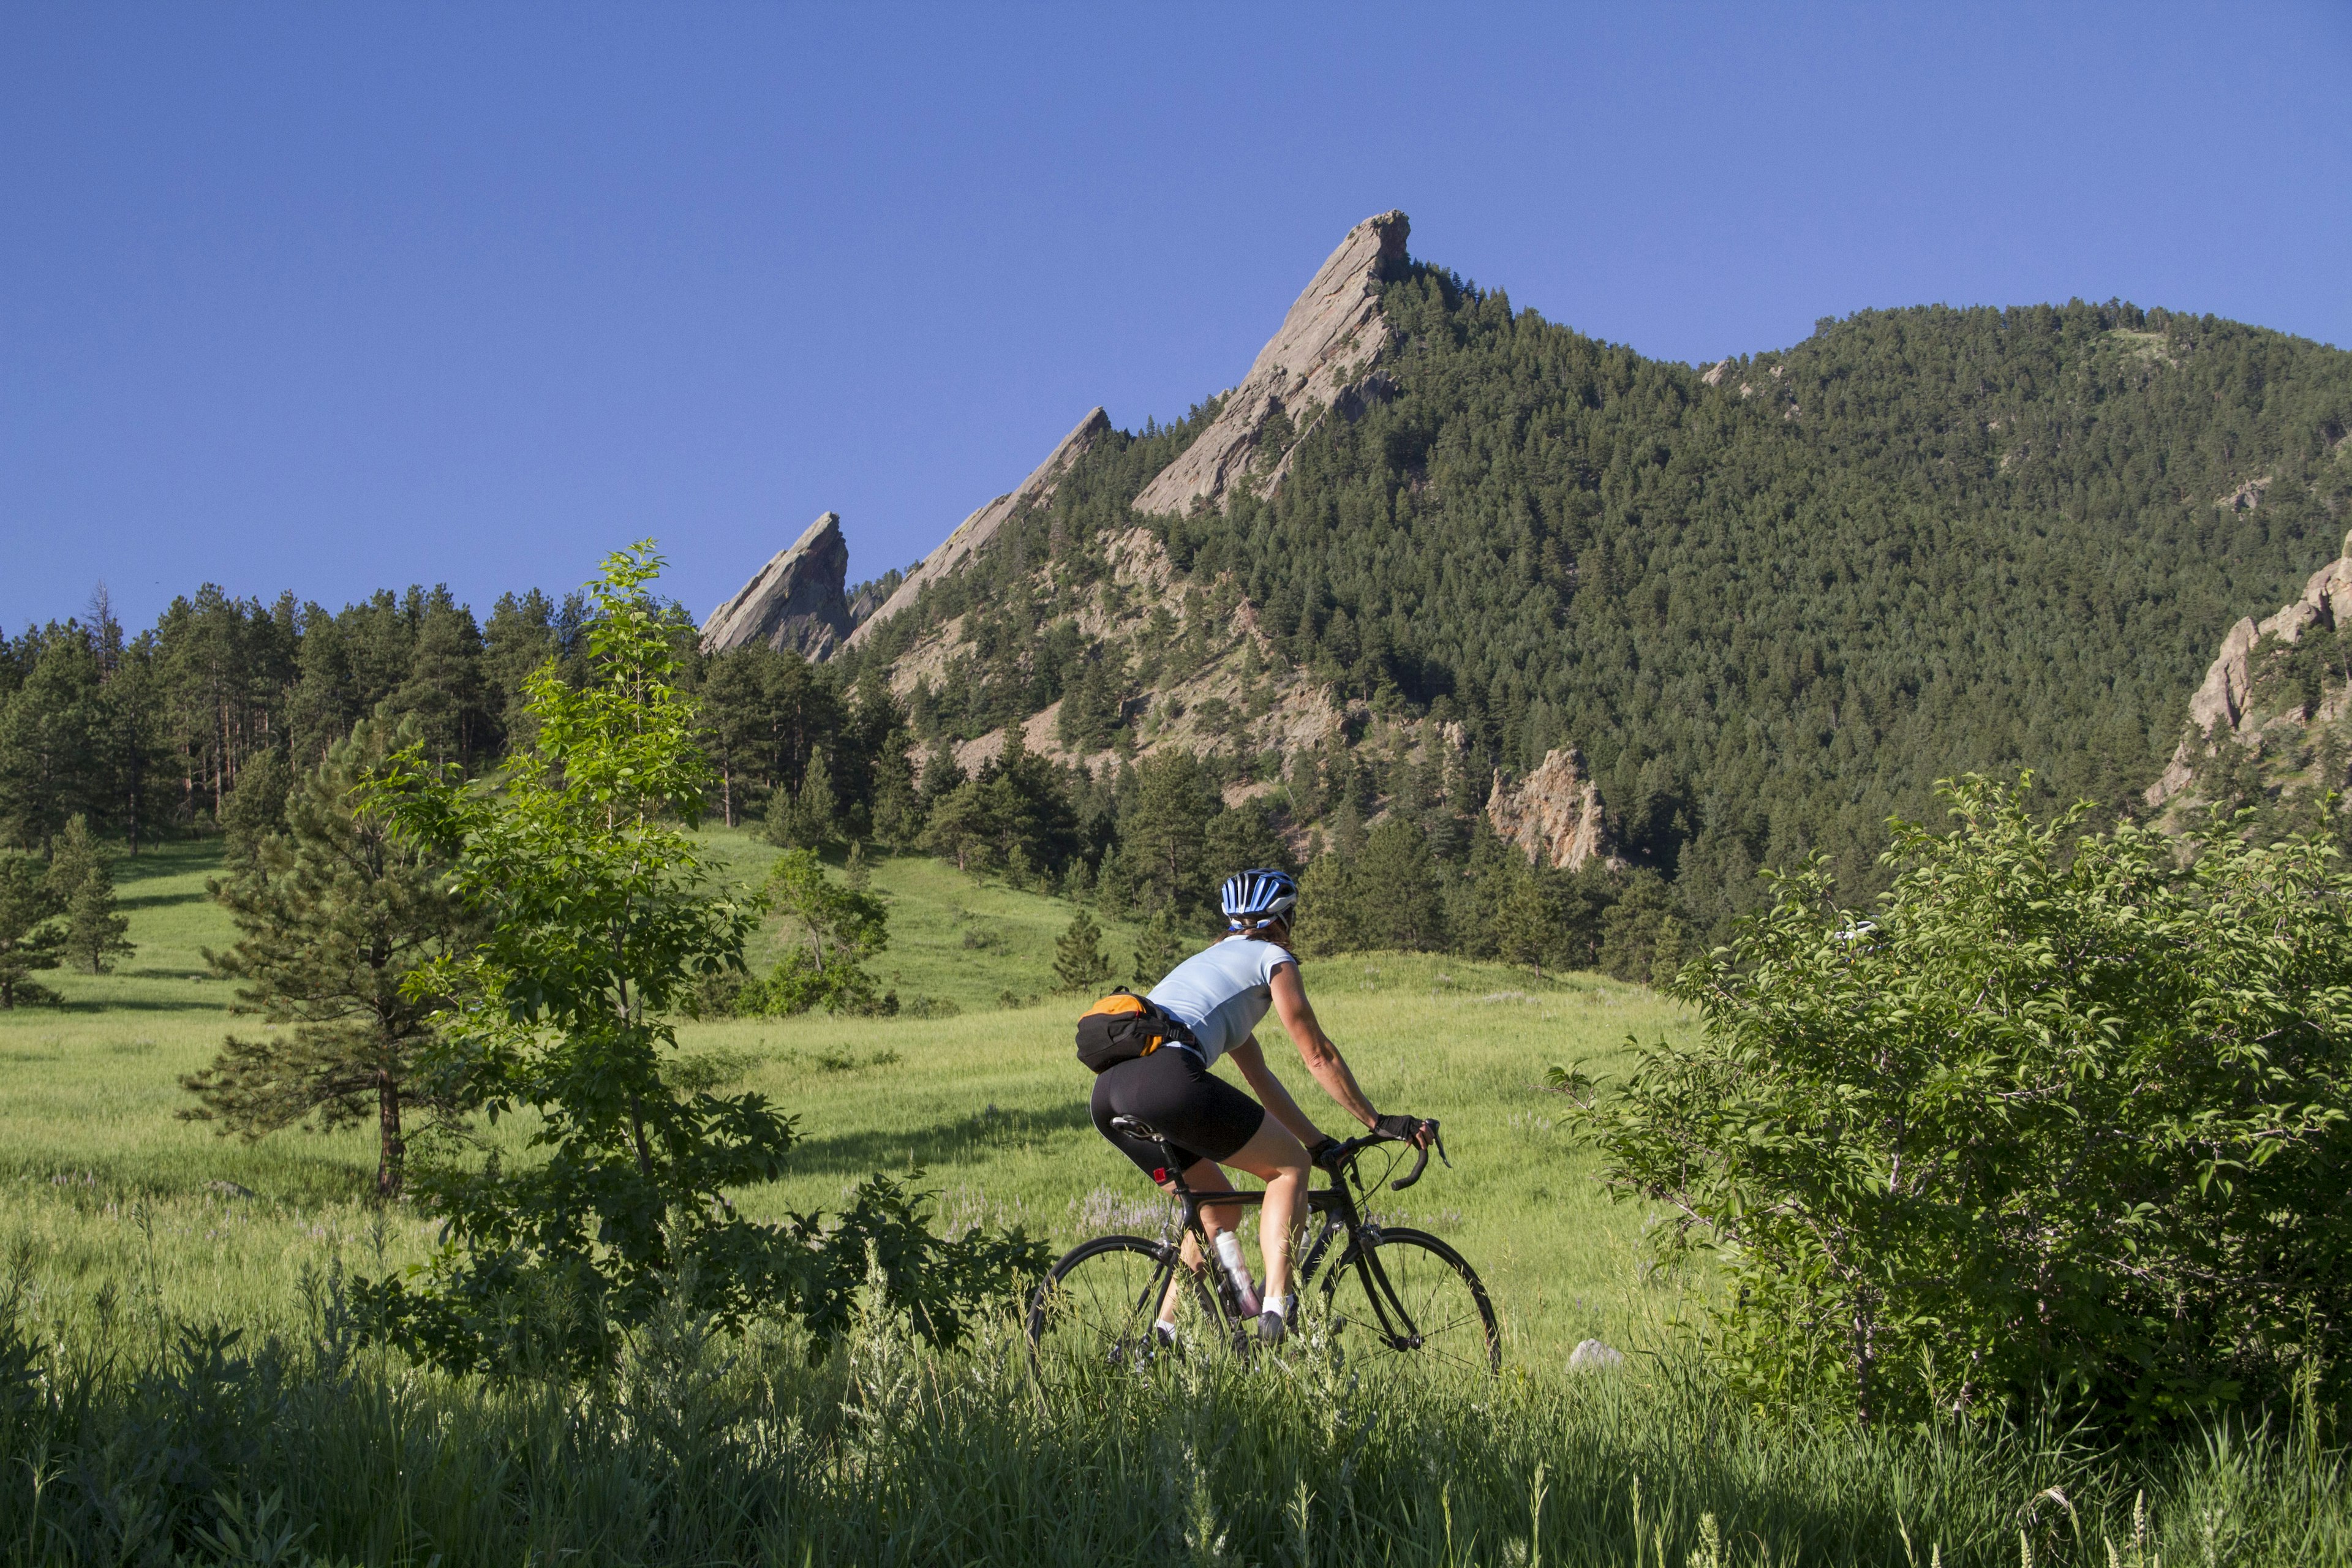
1123, 1027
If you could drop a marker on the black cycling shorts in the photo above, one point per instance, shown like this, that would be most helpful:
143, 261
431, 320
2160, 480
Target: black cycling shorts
1204, 1116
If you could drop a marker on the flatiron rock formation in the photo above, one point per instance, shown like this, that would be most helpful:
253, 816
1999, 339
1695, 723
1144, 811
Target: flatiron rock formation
982, 526
794, 602
2222, 707
1316, 362
1554, 814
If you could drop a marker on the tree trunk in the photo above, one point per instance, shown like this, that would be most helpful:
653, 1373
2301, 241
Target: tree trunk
637, 1137
390, 1149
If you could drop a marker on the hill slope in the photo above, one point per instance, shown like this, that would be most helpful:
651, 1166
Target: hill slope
1770, 602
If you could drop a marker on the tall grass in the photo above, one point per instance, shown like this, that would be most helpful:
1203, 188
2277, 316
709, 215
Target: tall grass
214, 1447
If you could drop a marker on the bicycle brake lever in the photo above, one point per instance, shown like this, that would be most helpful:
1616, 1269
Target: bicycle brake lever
1439, 1138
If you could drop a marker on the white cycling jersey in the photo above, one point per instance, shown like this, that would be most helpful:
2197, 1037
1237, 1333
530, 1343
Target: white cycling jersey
1223, 992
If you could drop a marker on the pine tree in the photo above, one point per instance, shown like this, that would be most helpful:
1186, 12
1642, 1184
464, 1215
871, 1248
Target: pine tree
1326, 922
1242, 838
1631, 927
816, 806
256, 806
1526, 927
95, 929
807, 817
1666, 953
1079, 961
942, 775
334, 914
960, 826
730, 722
1159, 947
895, 807
30, 939
1347, 831
1164, 831
50, 734
1398, 902
1090, 707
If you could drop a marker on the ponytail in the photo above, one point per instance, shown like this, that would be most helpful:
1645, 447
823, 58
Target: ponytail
1257, 930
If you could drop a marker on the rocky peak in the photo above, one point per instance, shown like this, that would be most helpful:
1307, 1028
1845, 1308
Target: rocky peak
1554, 814
1317, 361
982, 525
794, 602
2224, 706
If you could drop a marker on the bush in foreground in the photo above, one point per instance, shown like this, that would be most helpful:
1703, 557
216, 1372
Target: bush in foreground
2064, 1117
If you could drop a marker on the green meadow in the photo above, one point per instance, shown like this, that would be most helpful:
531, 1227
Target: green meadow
987, 1103
177, 1384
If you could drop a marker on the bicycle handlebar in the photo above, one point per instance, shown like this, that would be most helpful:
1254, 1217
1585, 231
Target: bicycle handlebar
1355, 1146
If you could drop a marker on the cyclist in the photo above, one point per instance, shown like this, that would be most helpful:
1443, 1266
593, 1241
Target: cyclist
1221, 993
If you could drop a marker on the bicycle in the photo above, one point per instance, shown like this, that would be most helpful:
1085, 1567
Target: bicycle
1412, 1293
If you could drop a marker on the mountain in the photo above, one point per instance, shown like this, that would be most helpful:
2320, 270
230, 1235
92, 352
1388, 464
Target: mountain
976, 532
1436, 552
1318, 359
2266, 728
797, 600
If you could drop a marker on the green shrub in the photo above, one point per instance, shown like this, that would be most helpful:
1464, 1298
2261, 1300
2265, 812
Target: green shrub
835, 930
2067, 1113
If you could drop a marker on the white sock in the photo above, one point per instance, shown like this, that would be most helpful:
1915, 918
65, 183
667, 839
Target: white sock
1279, 1306
1166, 1327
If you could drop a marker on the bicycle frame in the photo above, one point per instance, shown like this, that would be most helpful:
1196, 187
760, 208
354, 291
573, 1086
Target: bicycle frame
1337, 1205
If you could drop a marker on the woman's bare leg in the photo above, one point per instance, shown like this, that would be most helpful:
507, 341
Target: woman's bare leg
1202, 1177
1279, 1160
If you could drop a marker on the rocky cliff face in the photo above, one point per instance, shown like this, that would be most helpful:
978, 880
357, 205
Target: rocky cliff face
2225, 708
1318, 360
1235, 693
1554, 814
794, 602
982, 526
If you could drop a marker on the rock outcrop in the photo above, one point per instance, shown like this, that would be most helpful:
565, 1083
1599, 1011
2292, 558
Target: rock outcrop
794, 602
1316, 362
982, 526
1554, 814
2219, 710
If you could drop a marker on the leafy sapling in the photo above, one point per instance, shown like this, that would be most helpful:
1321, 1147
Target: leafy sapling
602, 915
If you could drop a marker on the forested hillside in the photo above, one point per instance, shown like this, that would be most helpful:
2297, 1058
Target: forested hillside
1770, 602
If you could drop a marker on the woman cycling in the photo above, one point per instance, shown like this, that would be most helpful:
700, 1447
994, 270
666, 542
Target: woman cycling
1221, 995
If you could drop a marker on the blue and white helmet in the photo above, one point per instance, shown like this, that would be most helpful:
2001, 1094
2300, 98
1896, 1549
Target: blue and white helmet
1249, 897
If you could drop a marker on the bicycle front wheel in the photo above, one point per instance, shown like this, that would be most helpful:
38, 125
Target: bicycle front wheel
1408, 1294
1097, 1305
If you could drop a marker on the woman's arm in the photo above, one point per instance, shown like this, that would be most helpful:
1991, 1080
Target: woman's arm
1315, 1047
1271, 1092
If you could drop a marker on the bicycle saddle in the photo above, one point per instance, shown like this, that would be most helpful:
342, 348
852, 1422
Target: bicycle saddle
1136, 1127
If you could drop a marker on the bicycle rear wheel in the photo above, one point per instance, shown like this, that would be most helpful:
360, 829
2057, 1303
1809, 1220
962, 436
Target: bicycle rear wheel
1408, 1294
1097, 1305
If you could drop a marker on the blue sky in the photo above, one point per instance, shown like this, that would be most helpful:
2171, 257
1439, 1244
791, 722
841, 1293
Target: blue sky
329, 298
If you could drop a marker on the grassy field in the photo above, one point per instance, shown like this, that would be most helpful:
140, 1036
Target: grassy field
107, 1186
174, 1385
